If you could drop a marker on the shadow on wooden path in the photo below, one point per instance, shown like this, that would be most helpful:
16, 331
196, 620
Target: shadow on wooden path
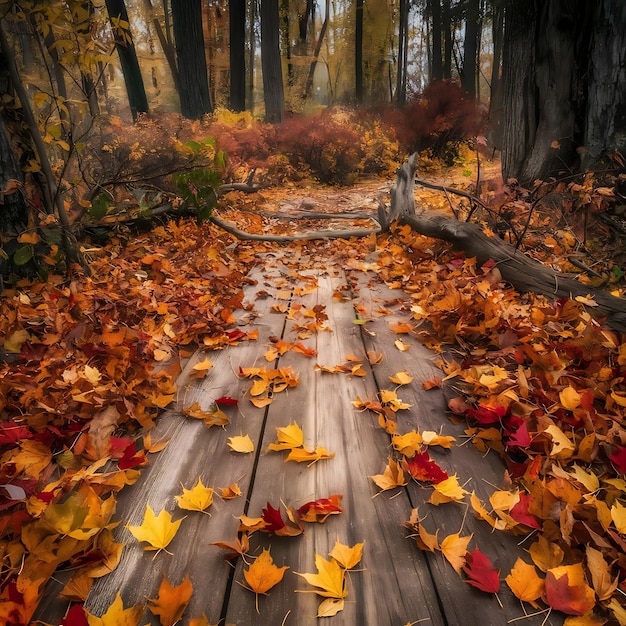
396, 583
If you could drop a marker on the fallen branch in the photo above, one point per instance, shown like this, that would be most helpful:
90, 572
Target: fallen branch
520, 270
229, 227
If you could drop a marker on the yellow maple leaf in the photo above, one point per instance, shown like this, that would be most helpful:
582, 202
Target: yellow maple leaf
454, 548
408, 444
262, 575
392, 477
545, 554
309, 455
156, 530
241, 443
391, 398
198, 498
401, 378
213, 417
347, 556
447, 490
117, 615
329, 580
525, 583
288, 437
171, 602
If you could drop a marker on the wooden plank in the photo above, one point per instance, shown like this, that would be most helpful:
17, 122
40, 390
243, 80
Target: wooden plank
460, 602
194, 451
393, 584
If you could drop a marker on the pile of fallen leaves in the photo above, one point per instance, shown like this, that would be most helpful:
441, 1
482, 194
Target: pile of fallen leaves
543, 385
85, 365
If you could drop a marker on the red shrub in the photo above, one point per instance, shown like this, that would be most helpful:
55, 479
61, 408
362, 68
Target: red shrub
438, 120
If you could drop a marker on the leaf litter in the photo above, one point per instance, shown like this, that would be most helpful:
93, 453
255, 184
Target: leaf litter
543, 386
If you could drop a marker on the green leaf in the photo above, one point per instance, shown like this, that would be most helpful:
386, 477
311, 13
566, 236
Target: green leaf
23, 255
99, 206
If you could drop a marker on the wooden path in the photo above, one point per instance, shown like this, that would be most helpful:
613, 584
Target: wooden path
396, 583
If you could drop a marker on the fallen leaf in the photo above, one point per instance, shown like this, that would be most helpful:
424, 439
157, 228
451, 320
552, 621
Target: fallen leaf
198, 498
329, 580
171, 602
603, 583
392, 477
447, 490
525, 583
262, 575
566, 590
117, 615
454, 549
230, 492
288, 437
347, 556
480, 572
401, 378
241, 443
309, 455
156, 530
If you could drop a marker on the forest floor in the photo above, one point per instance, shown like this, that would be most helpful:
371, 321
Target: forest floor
473, 419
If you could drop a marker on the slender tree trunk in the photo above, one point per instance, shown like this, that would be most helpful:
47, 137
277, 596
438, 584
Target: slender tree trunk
192, 68
437, 59
470, 47
318, 47
273, 90
446, 27
125, 47
237, 51
165, 40
252, 53
285, 39
403, 29
358, 52
495, 99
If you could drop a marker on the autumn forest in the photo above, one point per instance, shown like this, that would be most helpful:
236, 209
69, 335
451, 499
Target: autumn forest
312, 312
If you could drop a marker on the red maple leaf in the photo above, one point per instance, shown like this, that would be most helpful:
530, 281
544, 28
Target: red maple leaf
520, 513
518, 436
272, 518
75, 616
569, 599
481, 572
487, 414
422, 468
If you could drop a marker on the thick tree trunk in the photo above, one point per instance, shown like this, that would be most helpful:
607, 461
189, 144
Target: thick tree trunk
273, 90
125, 47
606, 102
192, 69
436, 72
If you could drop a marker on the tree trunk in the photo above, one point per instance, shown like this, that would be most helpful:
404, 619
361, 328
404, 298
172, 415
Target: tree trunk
436, 72
318, 47
192, 69
13, 213
606, 104
470, 47
358, 53
166, 44
446, 27
495, 99
403, 28
273, 91
125, 47
237, 51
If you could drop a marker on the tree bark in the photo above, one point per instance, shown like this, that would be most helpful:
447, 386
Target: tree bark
125, 47
237, 51
273, 90
403, 28
470, 47
318, 47
358, 53
606, 103
188, 33
436, 71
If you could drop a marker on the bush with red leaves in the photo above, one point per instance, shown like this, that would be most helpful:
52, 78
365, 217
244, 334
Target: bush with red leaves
437, 121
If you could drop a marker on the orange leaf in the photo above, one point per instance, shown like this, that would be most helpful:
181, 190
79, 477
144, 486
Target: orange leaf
454, 548
117, 615
262, 575
524, 582
171, 602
